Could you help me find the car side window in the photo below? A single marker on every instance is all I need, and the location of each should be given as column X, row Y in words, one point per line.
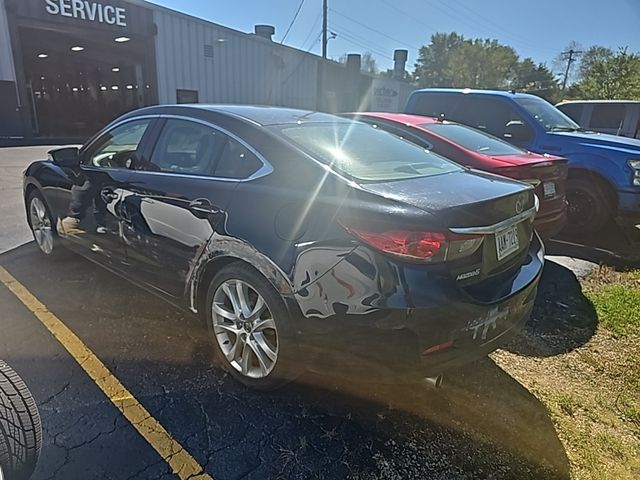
column 572, row 110
column 237, row 161
column 607, row 116
column 187, row 147
column 118, row 147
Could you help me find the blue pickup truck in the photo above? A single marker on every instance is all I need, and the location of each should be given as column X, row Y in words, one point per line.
column 604, row 170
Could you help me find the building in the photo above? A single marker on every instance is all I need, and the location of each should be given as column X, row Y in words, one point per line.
column 67, row 67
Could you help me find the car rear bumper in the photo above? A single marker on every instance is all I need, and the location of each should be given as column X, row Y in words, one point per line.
column 628, row 208
column 549, row 224
column 406, row 344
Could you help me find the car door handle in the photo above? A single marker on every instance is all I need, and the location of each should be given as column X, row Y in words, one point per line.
column 108, row 194
column 202, row 205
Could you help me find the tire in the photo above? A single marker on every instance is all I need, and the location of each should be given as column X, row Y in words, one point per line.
column 252, row 332
column 20, row 428
column 42, row 225
column 590, row 208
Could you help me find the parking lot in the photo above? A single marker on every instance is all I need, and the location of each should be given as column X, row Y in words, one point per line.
column 482, row 424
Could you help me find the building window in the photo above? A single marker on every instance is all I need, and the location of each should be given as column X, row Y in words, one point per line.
column 187, row 96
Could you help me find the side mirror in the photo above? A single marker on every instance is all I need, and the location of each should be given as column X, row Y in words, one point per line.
column 518, row 132
column 65, row 157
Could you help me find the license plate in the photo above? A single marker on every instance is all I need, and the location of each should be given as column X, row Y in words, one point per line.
column 507, row 242
column 549, row 189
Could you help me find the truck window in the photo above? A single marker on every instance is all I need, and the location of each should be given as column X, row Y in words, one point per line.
column 434, row 104
column 490, row 115
column 607, row 115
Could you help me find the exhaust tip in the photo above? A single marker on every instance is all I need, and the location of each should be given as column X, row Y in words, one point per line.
column 435, row 382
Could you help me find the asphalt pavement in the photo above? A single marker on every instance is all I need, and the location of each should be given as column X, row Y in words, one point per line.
column 481, row 424
column 13, row 161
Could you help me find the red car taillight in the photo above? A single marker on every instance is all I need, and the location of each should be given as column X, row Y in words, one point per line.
column 424, row 246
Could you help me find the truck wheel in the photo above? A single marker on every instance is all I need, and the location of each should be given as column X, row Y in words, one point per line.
column 20, row 428
column 590, row 208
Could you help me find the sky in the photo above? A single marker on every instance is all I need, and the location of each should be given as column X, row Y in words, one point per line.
column 539, row 29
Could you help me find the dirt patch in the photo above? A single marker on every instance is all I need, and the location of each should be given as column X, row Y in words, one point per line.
column 592, row 389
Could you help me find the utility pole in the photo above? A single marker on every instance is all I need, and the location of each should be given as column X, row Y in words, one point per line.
column 324, row 29
column 570, row 59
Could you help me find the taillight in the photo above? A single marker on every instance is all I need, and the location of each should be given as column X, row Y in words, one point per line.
column 519, row 173
column 423, row 246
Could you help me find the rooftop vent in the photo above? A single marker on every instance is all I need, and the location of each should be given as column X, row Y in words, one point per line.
column 264, row 31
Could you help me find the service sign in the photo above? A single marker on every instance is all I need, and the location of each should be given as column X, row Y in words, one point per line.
column 114, row 15
column 89, row 11
column 384, row 95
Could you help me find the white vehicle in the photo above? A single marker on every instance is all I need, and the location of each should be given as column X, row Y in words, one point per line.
column 616, row 117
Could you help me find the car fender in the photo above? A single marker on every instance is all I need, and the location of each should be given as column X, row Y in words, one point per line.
column 225, row 247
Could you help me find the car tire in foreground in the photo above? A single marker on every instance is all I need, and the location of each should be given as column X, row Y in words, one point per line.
column 251, row 327
column 20, row 428
column 589, row 206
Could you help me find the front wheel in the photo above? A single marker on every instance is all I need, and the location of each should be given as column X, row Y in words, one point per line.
column 42, row 224
column 590, row 209
column 251, row 327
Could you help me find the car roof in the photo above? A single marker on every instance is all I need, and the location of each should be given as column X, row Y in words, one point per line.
column 498, row 93
column 259, row 115
column 564, row 102
column 405, row 118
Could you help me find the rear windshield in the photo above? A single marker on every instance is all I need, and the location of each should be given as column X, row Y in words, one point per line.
column 366, row 153
column 472, row 139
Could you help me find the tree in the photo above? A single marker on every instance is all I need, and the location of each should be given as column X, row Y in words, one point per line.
column 433, row 60
column 615, row 77
column 593, row 54
column 450, row 60
column 538, row 79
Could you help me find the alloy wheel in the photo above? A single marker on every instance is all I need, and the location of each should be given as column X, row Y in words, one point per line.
column 245, row 329
column 41, row 225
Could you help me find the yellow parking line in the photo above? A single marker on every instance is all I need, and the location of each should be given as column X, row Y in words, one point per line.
column 180, row 461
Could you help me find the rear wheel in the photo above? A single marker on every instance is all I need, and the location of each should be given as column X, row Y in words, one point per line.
column 590, row 208
column 20, row 428
column 251, row 328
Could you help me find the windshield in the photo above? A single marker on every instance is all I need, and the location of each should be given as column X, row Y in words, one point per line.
column 366, row 153
column 547, row 115
column 472, row 139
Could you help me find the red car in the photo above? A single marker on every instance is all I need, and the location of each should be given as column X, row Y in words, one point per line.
column 473, row 148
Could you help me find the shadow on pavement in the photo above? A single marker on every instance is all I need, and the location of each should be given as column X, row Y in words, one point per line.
column 615, row 246
column 563, row 318
column 481, row 424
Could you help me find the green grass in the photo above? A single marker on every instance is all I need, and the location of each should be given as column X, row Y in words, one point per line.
column 618, row 308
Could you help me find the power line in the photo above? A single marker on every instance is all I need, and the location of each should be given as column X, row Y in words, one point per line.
column 359, row 43
column 408, row 15
column 342, row 29
column 477, row 19
column 311, row 30
column 374, row 30
column 293, row 20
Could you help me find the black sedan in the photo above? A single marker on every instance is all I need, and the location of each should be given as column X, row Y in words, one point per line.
column 303, row 239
